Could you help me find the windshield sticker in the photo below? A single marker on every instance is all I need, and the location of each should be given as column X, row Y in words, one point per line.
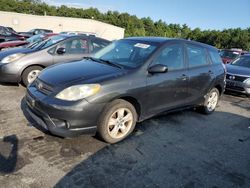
column 140, row 45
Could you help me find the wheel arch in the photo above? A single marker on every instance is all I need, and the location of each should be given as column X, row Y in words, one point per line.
column 220, row 89
column 39, row 65
column 134, row 102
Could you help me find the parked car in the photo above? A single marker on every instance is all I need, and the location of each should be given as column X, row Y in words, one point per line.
column 24, row 64
column 12, row 44
column 18, row 43
column 228, row 55
column 91, row 34
column 35, row 32
column 7, row 35
column 11, row 29
column 238, row 75
column 126, row 82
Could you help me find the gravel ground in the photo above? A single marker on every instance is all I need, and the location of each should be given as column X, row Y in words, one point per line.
column 184, row 149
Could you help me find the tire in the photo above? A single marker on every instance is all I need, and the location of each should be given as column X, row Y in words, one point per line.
column 211, row 101
column 117, row 121
column 26, row 76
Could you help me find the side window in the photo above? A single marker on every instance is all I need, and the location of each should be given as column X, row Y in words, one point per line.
column 171, row 56
column 75, row 46
column 215, row 57
column 197, row 56
column 97, row 45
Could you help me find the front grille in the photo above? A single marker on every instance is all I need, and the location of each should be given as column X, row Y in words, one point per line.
column 43, row 87
column 238, row 88
column 236, row 77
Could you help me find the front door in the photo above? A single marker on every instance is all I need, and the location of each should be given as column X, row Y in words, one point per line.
column 168, row 90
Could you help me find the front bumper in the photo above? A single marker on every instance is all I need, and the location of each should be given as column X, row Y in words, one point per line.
column 64, row 119
column 7, row 77
column 237, row 86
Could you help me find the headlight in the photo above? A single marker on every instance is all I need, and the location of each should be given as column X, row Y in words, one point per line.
column 78, row 92
column 12, row 58
column 247, row 82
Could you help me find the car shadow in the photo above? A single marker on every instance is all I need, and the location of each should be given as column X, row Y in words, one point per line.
column 9, row 84
column 8, row 154
column 181, row 149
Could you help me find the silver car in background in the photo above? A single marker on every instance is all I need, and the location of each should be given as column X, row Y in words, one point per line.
column 24, row 64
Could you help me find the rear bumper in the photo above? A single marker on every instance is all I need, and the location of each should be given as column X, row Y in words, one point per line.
column 64, row 120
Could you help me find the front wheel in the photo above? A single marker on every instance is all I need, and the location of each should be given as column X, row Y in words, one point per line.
column 211, row 101
column 117, row 121
column 30, row 74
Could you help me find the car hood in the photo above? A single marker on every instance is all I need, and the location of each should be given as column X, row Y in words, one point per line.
column 8, row 52
column 78, row 72
column 11, row 43
column 233, row 69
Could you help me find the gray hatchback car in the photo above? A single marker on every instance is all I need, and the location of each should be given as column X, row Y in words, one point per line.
column 24, row 64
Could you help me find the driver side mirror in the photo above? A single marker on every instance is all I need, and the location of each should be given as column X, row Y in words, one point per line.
column 61, row 51
column 158, row 68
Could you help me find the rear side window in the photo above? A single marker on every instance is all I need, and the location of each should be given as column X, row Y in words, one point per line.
column 197, row 56
column 216, row 59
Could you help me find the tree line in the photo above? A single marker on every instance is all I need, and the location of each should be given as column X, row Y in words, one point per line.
column 134, row 26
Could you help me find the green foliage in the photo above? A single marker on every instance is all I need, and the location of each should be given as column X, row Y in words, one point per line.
column 228, row 38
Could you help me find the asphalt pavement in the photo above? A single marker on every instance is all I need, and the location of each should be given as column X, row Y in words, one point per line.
column 181, row 149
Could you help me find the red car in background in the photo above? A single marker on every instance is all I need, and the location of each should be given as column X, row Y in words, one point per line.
column 18, row 43
column 8, row 34
column 228, row 55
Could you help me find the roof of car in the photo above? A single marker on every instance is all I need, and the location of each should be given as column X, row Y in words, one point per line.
column 82, row 36
column 161, row 40
column 150, row 39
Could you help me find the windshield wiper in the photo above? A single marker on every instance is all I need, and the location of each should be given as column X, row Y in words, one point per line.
column 104, row 61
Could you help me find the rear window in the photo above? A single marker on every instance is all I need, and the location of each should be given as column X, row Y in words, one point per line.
column 215, row 57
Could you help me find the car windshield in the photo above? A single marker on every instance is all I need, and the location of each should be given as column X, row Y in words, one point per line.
column 35, row 38
column 229, row 54
column 46, row 43
column 243, row 61
column 128, row 53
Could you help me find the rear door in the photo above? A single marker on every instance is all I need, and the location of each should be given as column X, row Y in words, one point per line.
column 200, row 72
column 168, row 90
column 75, row 49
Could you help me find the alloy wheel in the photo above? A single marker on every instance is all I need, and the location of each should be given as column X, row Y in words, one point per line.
column 120, row 123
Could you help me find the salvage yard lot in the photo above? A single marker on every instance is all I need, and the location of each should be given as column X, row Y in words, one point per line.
column 184, row 149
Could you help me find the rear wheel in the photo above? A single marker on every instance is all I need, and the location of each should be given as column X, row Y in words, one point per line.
column 117, row 121
column 30, row 74
column 211, row 101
